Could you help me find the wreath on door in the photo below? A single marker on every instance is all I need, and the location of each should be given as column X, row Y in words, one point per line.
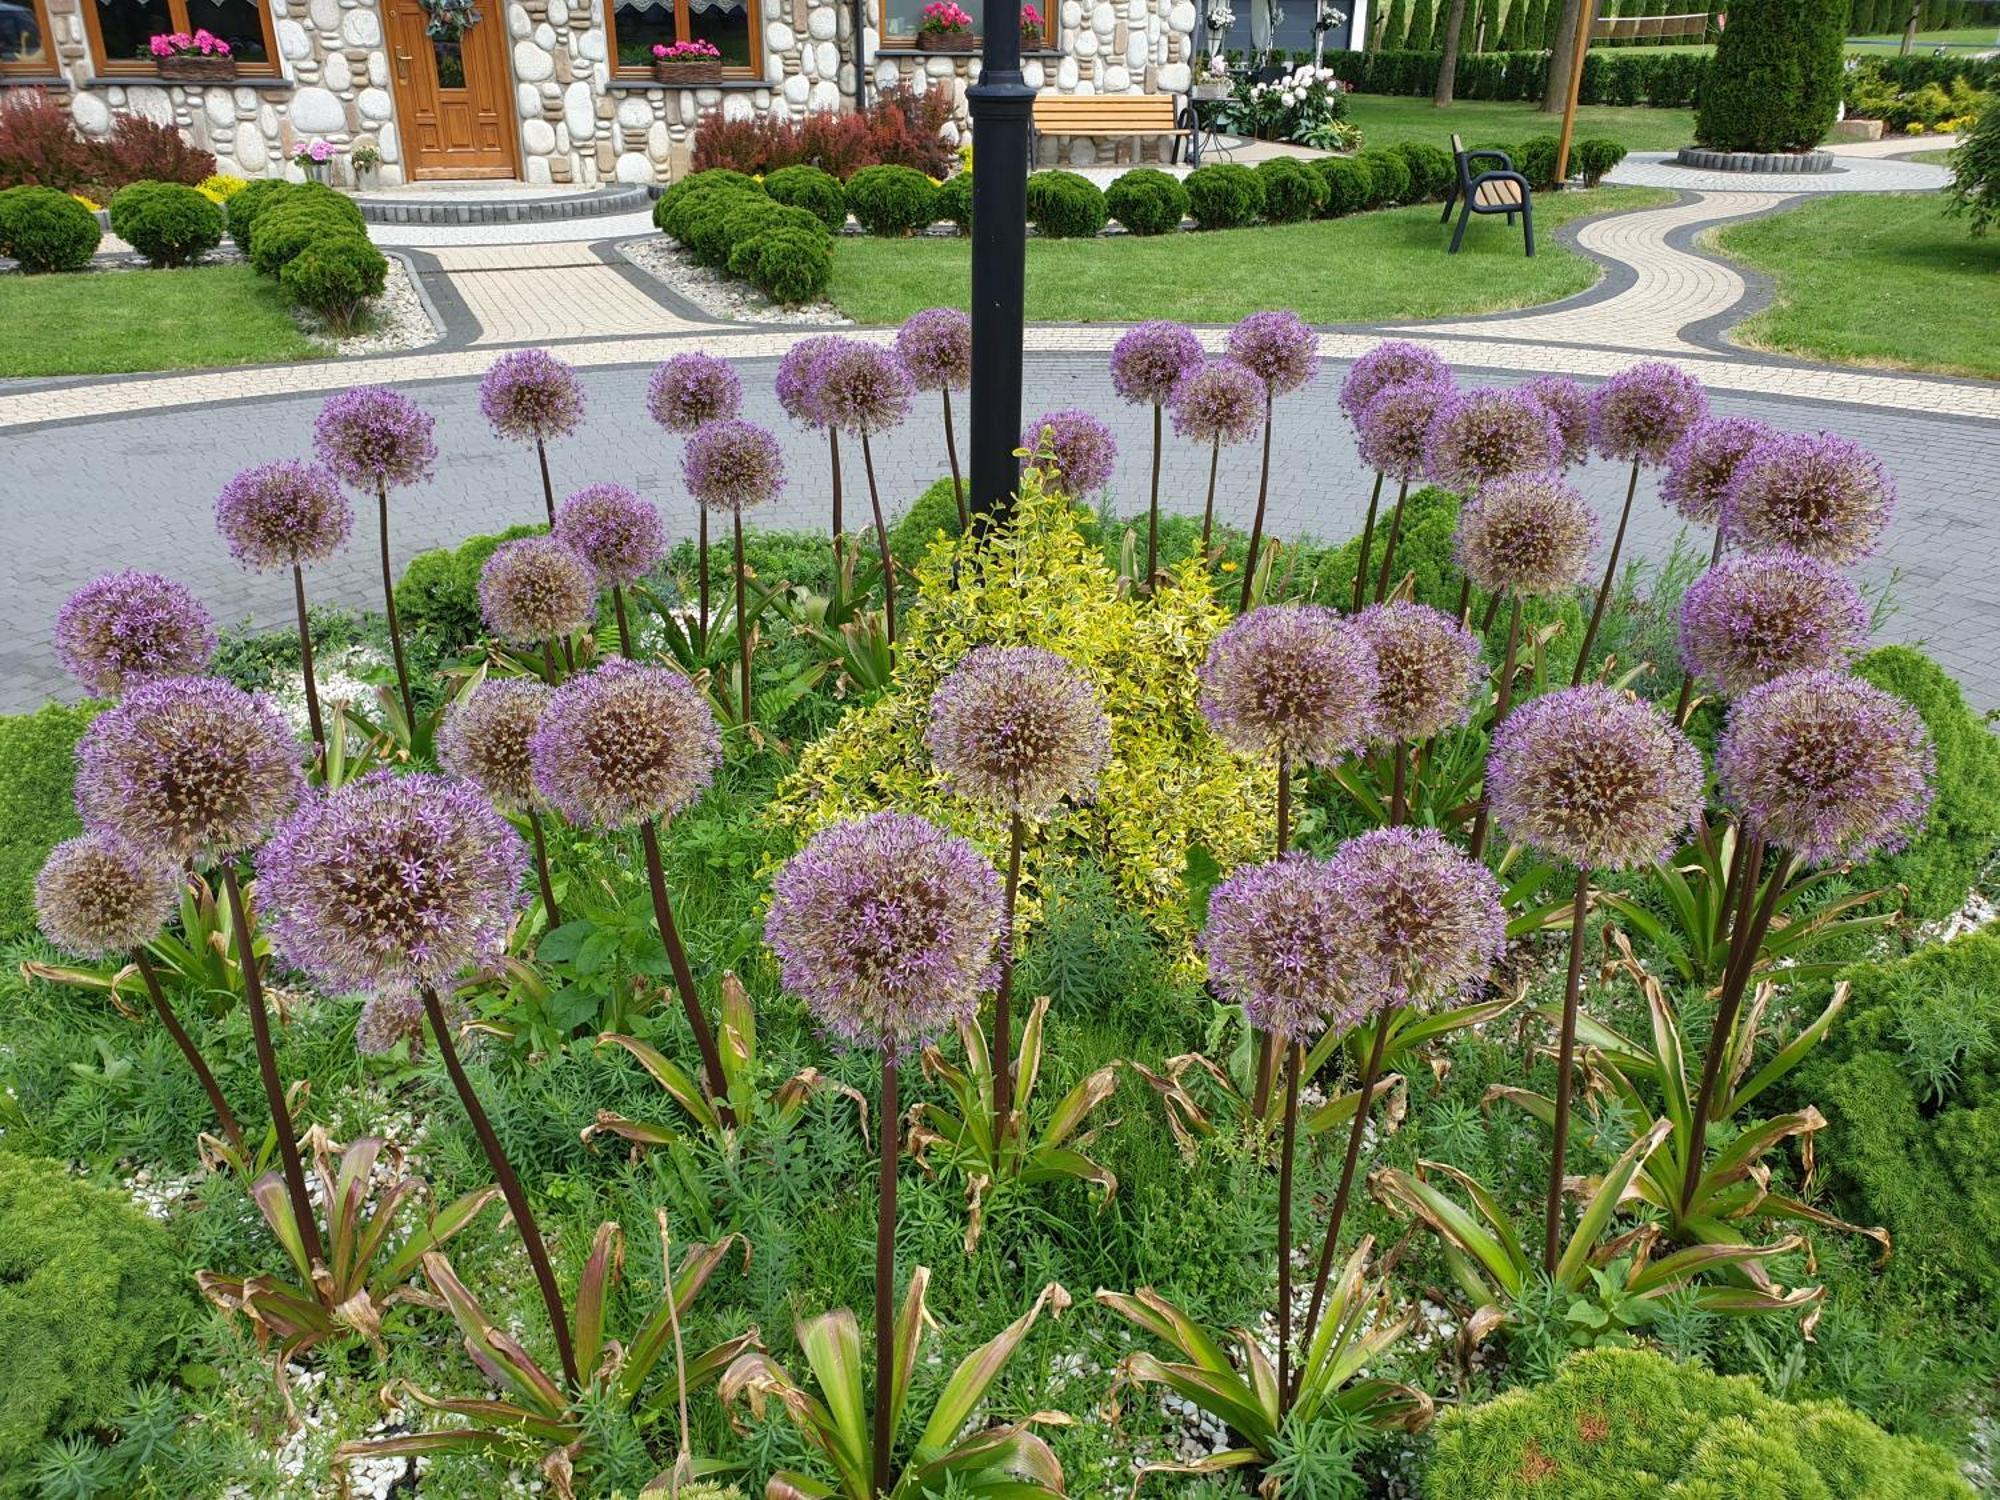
column 449, row 19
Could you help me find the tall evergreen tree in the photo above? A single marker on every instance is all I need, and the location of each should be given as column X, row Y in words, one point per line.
column 1775, row 81
column 1423, row 27
column 1395, row 23
column 1512, row 31
column 1478, row 33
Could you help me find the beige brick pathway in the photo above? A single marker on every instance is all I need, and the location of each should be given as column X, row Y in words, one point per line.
column 533, row 293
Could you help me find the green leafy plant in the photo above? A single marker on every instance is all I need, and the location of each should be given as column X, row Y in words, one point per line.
column 891, row 200
column 1065, row 205
column 1293, row 191
column 336, row 275
column 1224, row 196
column 1147, row 201
column 198, row 959
column 819, row 193
column 169, row 223
column 46, row 230
column 37, row 805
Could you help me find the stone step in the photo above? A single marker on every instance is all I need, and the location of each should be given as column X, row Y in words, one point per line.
column 500, row 203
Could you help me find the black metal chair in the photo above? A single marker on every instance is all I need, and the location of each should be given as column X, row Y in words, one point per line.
column 1501, row 190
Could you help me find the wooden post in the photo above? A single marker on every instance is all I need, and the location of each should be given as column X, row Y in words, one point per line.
column 1586, row 21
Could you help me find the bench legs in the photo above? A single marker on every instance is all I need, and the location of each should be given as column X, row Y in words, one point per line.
column 1528, row 226
column 1465, row 217
column 1458, row 234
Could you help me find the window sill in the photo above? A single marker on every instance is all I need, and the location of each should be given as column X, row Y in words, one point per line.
column 28, row 81
column 1037, row 54
column 267, row 82
column 642, row 83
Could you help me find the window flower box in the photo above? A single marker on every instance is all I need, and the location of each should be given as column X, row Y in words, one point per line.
column 687, row 63
column 945, row 27
column 191, row 57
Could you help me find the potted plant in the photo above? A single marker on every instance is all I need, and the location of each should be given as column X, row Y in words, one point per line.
column 1211, row 77
column 200, row 56
column 315, row 159
column 1033, row 29
column 366, row 161
column 945, row 27
column 688, row 62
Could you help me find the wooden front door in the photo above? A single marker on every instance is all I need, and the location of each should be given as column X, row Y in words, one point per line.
column 454, row 100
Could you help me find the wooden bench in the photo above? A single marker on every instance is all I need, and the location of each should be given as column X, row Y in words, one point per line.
column 1132, row 116
column 1499, row 190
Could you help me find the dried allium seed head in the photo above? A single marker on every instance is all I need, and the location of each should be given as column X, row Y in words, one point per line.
column 374, row 437
column 100, row 895
column 1827, row 766
column 798, row 383
column 625, row 743
column 531, row 396
column 486, row 735
column 1147, row 361
column 863, row 388
column 535, row 590
column 1594, row 778
column 283, row 514
column 1433, row 923
column 1396, row 362
column 615, row 530
column 935, row 346
column 1701, row 464
column 1080, row 448
column 1394, row 428
column 1220, row 401
column 1295, row 678
column 1641, row 412
column 1487, row 434
column 732, row 466
column 691, row 390
column 1278, row 348
column 1018, row 728
column 1750, row 619
column 1530, row 536
column 1426, row 667
column 1280, row 943
column 1820, row 495
column 132, row 627
column 390, row 1015
column 1569, row 403
column 188, row 767
column 886, row 927
column 396, row 880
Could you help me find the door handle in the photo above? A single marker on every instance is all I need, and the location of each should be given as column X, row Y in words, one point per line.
column 403, row 60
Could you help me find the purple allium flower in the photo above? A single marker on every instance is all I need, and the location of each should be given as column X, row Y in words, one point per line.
column 1827, row 766
column 1396, row 362
column 188, row 767
column 1530, row 535
column 394, row 880
column 1426, row 668
column 1432, row 921
column 100, row 894
column 531, row 396
column 1486, row 434
column 691, row 390
column 1018, row 728
column 886, row 927
column 935, row 346
column 1220, row 401
column 371, row 436
column 283, row 514
column 1820, row 495
column 1750, row 619
column 732, row 466
column 623, row 744
column 1278, row 348
column 486, row 735
column 1641, row 412
column 1280, row 942
column 1394, row 428
column 1291, row 677
column 536, row 589
column 862, row 388
column 392, row 1014
column 1701, row 464
column 131, row 627
column 797, row 382
column 1593, row 777
column 614, row 529
column 1080, row 452
column 1570, row 405
column 1149, row 360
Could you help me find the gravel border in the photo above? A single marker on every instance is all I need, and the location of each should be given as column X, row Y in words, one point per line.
column 719, row 295
column 398, row 321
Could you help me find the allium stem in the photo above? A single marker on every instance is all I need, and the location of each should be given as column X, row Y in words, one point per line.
column 742, row 622
column 885, row 1273
column 1153, row 507
column 1389, row 544
column 1003, row 994
column 548, row 489
column 510, row 1187
column 542, row 870
column 1463, row 613
column 951, row 452
column 701, row 571
column 1492, row 612
column 1398, row 810
column 1367, row 543
column 1565, row 1057
column 1503, row 702
column 389, row 609
column 306, row 660
column 188, row 1050
column 267, row 1068
column 1208, row 510
column 881, row 543
column 833, row 454
column 1293, row 1053
column 1263, row 491
column 1610, row 575
column 1284, row 801
column 677, row 959
column 1687, row 672
column 551, row 673
column 624, row 626
column 1724, row 916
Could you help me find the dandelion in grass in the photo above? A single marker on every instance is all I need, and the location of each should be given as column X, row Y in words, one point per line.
column 1820, row 495
column 485, row 739
column 1393, row 433
column 1569, row 403
column 536, row 591
column 1750, row 619
column 733, row 466
column 618, row 532
column 1146, row 364
column 530, row 396
column 1281, row 351
column 131, row 627
column 935, row 346
column 1486, row 434
column 1081, row 454
column 1219, row 402
column 1395, row 362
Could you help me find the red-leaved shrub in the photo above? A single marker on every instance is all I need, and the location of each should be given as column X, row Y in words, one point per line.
column 140, row 151
column 900, row 127
column 40, row 146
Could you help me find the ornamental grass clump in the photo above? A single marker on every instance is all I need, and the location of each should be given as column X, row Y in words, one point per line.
column 1280, row 350
column 1392, row 432
column 1217, row 402
column 531, row 396
column 1426, row 671
column 685, row 394
column 733, row 466
column 131, row 627
column 535, row 591
column 1817, row 494
column 864, row 390
column 485, row 740
column 1146, row 364
column 1753, row 618
column 935, row 346
column 618, row 532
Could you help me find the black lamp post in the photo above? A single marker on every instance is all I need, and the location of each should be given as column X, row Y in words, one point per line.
column 1002, row 105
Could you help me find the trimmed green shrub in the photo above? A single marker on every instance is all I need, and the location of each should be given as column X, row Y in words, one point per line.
column 439, row 591
column 1393, row 181
column 167, row 222
column 283, row 230
column 251, row 200
column 46, row 230
column 334, row 275
column 891, row 201
column 1594, row 157
column 1065, row 205
column 693, row 186
column 1225, row 195
column 1349, row 183
column 791, row 267
column 1535, row 159
column 37, row 775
column 934, row 511
column 818, row 193
column 1370, row 180
column 703, row 223
column 1147, row 201
column 1775, row 82
column 1293, row 191
column 1430, row 167
column 954, row 200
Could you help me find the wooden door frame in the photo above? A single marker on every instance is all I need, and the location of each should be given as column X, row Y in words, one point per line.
column 513, row 170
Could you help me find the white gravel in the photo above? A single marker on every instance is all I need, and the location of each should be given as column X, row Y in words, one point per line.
column 717, row 294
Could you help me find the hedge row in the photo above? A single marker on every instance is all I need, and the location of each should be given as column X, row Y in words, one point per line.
column 1663, row 79
column 780, row 241
column 314, row 242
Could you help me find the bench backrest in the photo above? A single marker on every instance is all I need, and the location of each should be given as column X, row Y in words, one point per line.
column 1086, row 114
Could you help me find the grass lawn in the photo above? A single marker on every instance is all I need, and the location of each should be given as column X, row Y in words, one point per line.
column 114, row 322
column 1875, row 279
column 1387, row 118
column 1958, row 38
column 1364, row 269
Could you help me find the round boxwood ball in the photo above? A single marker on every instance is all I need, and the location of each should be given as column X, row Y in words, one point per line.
column 791, row 266
column 1430, row 167
column 284, row 231
column 250, row 201
column 693, row 186
column 46, row 230
column 169, row 223
column 1594, row 157
column 1066, row 205
column 1293, row 191
column 1392, row 176
column 1535, row 159
column 1349, row 184
column 1225, row 195
column 1147, row 201
column 954, row 200
column 892, row 201
column 818, row 193
column 334, row 276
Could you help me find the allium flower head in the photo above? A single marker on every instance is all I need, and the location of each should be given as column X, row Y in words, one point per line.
column 1018, row 728
column 1482, row 435
column 1530, row 536
column 1426, row 667
column 390, row 1015
column 1394, row 362
column 1278, row 348
column 1569, row 403
column 935, row 346
column 283, row 514
column 798, row 383
column 1820, row 495
column 393, row 880
column 1432, row 920
column 1750, row 619
column 691, row 390
column 531, row 396
column 1593, row 777
column 536, row 589
column 732, row 466
column 1394, row 428
column 1701, row 464
column 188, row 767
column 371, row 436
column 100, row 894
column 1147, row 362
column 1291, row 677
column 1641, row 412
column 1080, row 447
column 486, row 735
column 1280, row 943
column 863, row 388
column 886, row 927
column 1827, row 766
column 1220, row 401
column 131, row 627
column 615, row 530
column 625, row 743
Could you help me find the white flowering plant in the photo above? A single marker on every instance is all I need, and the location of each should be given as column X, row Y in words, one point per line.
column 1304, row 105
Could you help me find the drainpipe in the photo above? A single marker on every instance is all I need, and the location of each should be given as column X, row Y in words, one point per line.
column 860, row 56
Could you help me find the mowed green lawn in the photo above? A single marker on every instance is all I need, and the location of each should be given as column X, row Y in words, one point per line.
column 115, row 322
column 1385, row 119
column 1364, row 269
column 1875, row 279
